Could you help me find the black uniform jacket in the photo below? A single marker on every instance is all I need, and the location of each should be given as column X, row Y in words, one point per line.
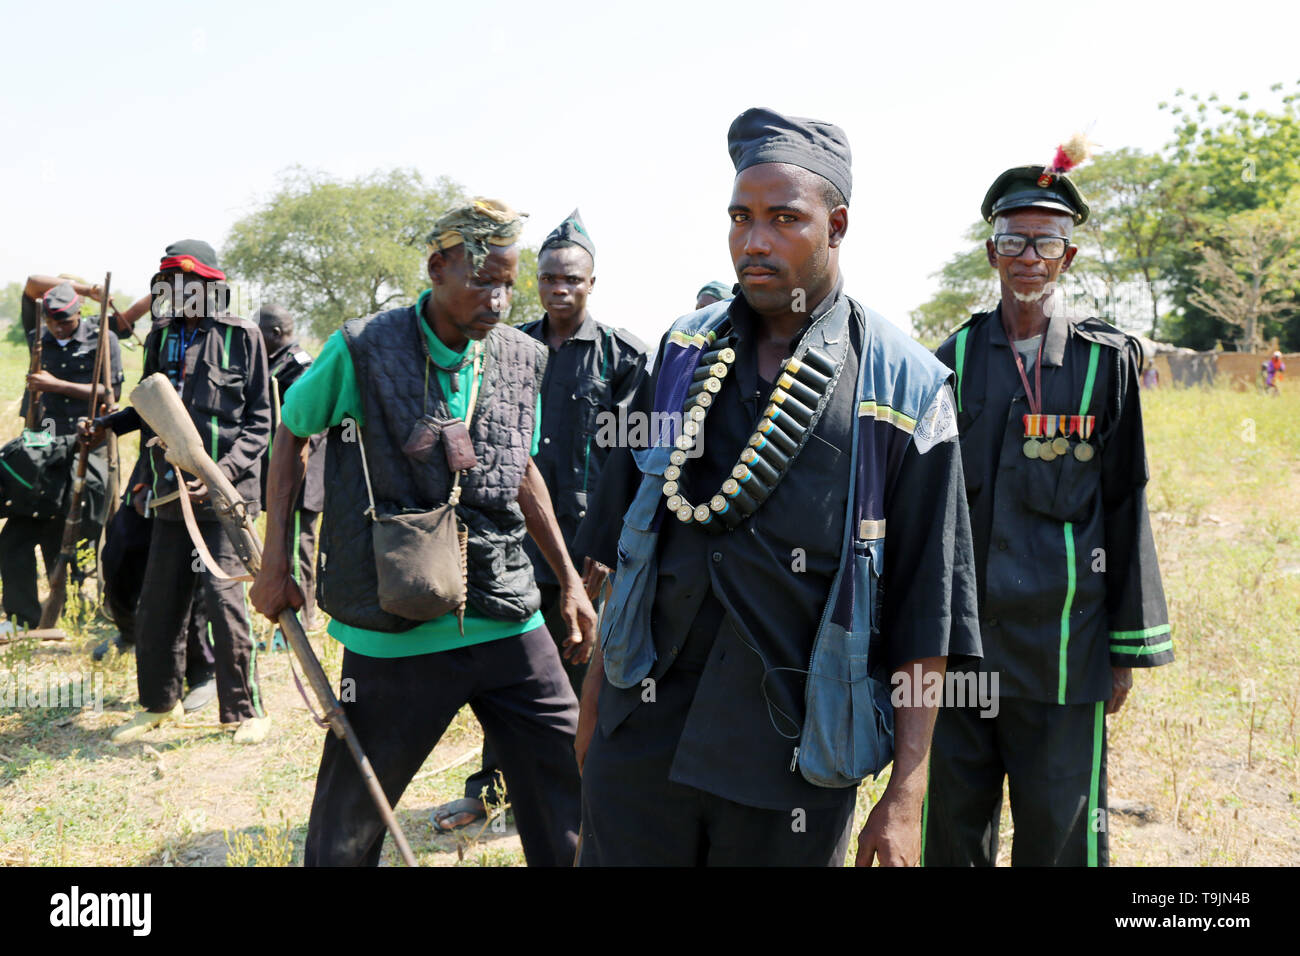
column 590, row 380
column 74, row 362
column 223, row 383
column 286, row 367
column 1066, row 563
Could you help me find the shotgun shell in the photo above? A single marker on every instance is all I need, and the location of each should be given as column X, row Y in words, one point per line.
column 717, row 370
column 799, row 390
column 792, row 407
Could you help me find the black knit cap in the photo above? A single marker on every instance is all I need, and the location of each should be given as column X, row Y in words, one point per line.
column 62, row 302
column 571, row 230
column 761, row 135
column 1026, row 187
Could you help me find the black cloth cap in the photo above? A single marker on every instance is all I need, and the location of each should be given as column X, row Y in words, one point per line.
column 765, row 136
column 571, row 230
column 62, row 301
column 1023, row 187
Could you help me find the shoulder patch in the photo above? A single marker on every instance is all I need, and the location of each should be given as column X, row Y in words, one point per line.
column 938, row 423
column 302, row 358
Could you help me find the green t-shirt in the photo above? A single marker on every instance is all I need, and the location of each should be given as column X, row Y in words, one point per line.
column 321, row 398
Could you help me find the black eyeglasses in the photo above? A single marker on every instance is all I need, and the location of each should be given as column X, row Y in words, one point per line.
column 1047, row 247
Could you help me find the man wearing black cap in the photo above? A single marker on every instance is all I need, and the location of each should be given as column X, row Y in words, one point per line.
column 69, row 351
column 592, row 372
column 217, row 362
column 758, row 617
column 1069, row 588
column 287, row 361
column 432, row 404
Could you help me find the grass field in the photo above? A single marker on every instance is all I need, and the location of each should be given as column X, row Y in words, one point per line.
column 1204, row 760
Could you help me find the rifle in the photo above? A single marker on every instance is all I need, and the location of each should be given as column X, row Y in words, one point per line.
column 53, row 606
column 35, row 399
column 159, row 405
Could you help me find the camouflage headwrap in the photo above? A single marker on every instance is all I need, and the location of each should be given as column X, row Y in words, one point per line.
column 478, row 224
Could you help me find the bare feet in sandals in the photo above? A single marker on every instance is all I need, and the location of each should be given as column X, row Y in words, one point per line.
column 457, row 814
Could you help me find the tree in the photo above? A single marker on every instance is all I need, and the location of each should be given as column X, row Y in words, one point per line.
column 1251, row 272
column 966, row 285
column 1130, row 230
column 1230, row 159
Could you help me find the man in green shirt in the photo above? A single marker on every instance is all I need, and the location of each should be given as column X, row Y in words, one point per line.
column 375, row 382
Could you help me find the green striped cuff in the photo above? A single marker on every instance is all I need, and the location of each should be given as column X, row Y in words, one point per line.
column 1142, row 649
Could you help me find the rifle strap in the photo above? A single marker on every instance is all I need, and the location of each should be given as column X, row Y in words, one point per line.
column 196, row 536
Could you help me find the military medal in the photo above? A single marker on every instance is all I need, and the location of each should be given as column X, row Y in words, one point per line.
column 1033, row 428
column 1047, row 450
column 1083, row 451
column 1061, row 444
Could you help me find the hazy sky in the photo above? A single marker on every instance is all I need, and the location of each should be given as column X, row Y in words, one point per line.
column 129, row 125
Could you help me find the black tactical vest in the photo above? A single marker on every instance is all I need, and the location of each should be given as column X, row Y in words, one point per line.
column 388, row 353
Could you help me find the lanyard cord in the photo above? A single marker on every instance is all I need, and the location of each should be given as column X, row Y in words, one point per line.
column 1034, row 396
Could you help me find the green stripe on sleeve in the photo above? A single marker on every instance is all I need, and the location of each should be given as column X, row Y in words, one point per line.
column 225, row 353
column 1065, row 611
column 214, row 438
column 1140, row 635
column 1142, row 649
column 1094, row 787
column 961, row 360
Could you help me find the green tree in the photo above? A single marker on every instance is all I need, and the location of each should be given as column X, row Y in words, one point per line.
column 1230, row 159
column 967, row 284
column 333, row 250
column 1128, row 238
column 1250, row 271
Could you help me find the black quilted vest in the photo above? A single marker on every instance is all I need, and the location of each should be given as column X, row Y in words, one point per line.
column 388, row 353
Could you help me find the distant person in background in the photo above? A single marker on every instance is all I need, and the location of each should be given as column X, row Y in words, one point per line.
column 287, row 361
column 1151, row 377
column 70, row 348
column 1274, row 369
column 711, row 293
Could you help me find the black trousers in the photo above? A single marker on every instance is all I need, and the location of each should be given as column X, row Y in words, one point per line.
column 400, row 708
column 173, row 580
column 633, row 815
column 123, row 562
column 1054, row 759
column 484, row 777
column 19, row 540
column 304, row 527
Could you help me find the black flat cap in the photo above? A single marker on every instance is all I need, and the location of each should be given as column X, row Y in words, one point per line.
column 62, row 301
column 1023, row 187
column 571, row 230
column 765, row 136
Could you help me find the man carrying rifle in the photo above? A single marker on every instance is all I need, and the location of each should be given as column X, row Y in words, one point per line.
column 217, row 363
column 412, row 396
column 69, row 348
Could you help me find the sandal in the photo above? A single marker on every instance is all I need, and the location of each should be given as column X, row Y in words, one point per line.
column 470, row 807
